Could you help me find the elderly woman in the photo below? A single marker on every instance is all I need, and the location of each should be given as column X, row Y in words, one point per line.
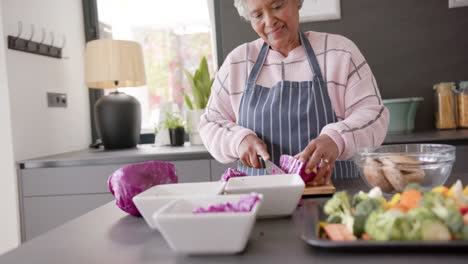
column 311, row 95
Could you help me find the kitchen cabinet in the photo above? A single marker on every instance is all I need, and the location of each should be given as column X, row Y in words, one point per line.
column 57, row 189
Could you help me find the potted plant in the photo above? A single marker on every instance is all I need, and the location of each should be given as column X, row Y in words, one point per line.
column 200, row 83
column 175, row 125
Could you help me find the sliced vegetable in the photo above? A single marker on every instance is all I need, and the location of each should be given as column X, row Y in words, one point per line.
column 456, row 192
column 338, row 232
column 440, row 189
column 387, row 225
column 245, row 204
column 394, row 201
column 230, row 172
column 464, row 210
column 289, row 164
column 359, row 197
column 435, row 230
column 363, row 210
column 445, row 209
column 413, row 186
column 411, row 198
column 339, row 208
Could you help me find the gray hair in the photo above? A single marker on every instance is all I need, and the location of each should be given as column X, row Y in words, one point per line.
column 241, row 6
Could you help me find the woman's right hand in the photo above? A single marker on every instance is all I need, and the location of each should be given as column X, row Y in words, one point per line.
column 250, row 147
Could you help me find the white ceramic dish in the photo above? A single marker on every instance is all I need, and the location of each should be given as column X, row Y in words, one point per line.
column 157, row 196
column 207, row 233
column 281, row 193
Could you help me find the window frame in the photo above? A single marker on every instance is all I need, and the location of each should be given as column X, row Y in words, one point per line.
column 91, row 28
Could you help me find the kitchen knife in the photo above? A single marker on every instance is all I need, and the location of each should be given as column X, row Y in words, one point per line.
column 270, row 167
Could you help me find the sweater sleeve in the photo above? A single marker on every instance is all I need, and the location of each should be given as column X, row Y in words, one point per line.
column 218, row 126
column 364, row 119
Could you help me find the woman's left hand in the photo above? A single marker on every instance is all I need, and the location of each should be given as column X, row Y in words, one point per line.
column 321, row 151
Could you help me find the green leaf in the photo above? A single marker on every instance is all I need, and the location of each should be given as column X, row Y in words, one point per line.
column 188, row 101
column 190, row 79
column 200, row 83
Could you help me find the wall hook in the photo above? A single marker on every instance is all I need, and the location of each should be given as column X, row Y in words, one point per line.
column 20, row 29
column 52, row 37
column 32, row 33
column 43, row 36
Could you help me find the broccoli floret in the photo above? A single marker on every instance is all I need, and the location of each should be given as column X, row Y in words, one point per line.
column 359, row 197
column 445, row 209
column 415, row 218
column 413, row 186
column 339, row 207
column 363, row 210
column 388, row 225
column 335, row 218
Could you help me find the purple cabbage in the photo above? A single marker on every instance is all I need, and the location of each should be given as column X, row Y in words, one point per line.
column 230, row 172
column 133, row 179
column 291, row 165
column 245, row 204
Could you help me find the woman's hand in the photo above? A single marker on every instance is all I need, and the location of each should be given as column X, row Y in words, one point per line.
column 249, row 148
column 321, row 151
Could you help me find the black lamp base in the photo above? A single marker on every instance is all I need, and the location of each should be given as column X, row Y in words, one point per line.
column 118, row 120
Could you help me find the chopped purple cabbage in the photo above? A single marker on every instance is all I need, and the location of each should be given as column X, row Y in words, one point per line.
column 230, row 173
column 291, row 165
column 245, row 204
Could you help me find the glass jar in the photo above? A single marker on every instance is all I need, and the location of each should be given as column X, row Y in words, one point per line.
column 462, row 102
column 446, row 108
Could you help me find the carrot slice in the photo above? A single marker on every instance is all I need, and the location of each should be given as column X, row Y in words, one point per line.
column 411, row 198
column 338, row 232
column 365, row 236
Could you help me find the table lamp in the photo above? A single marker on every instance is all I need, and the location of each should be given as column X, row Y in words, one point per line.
column 112, row 64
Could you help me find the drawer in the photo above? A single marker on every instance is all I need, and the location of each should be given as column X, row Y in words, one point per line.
column 93, row 179
column 42, row 214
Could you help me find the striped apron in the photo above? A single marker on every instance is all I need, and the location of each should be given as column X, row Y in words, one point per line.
column 290, row 114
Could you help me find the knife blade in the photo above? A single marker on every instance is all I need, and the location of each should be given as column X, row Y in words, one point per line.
column 271, row 168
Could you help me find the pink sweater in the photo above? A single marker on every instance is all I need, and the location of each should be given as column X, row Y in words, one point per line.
column 362, row 118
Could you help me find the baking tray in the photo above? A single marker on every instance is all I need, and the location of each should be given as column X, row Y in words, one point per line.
column 312, row 213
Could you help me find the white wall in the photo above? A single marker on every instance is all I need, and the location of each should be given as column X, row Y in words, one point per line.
column 9, row 228
column 37, row 130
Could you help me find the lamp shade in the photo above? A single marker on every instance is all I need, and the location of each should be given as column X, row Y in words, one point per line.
column 114, row 63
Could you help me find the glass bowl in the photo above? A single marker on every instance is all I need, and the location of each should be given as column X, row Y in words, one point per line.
column 393, row 167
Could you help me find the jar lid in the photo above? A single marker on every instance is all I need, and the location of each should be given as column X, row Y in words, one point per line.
column 444, row 85
column 463, row 85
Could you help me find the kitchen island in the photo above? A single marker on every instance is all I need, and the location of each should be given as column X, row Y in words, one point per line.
column 108, row 235
column 75, row 182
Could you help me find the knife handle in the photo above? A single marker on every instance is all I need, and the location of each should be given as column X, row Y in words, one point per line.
column 262, row 161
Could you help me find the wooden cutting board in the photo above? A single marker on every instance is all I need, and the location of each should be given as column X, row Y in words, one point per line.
column 319, row 190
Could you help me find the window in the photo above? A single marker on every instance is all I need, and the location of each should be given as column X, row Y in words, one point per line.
column 174, row 35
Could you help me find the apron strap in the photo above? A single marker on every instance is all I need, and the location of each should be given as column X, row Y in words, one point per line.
column 258, row 65
column 311, row 56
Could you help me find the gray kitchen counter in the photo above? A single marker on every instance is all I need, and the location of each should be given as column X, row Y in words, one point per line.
column 455, row 137
column 150, row 152
column 108, row 235
column 104, row 157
